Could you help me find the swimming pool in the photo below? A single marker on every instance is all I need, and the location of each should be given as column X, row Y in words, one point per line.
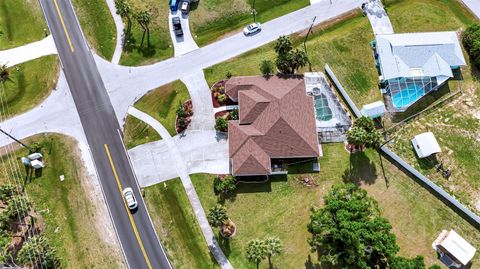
column 323, row 111
column 407, row 96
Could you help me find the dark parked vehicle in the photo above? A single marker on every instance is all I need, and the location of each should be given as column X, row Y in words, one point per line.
column 177, row 26
column 173, row 5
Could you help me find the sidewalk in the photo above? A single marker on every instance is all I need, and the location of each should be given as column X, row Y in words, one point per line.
column 120, row 28
column 28, row 52
column 378, row 17
column 182, row 171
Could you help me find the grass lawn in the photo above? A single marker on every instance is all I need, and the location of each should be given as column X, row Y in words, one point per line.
column 344, row 46
column 17, row 32
column 34, row 79
column 69, row 216
column 97, row 25
column 31, row 84
column 161, row 46
column 161, row 104
column 177, row 226
column 281, row 208
column 213, row 19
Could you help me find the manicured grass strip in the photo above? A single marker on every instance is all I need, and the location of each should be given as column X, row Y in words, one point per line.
column 207, row 31
column 98, row 26
column 69, row 215
column 137, row 132
column 21, row 22
column 177, row 227
column 31, row 83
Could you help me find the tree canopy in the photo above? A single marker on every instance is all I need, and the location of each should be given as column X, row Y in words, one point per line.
column 217, row 216
column 349, row 231
column 364, row 132
column 289, row 60
column 471, row 41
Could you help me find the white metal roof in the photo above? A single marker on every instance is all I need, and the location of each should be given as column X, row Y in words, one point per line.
column 405, row 55
column 458, row 247
column 425, row 144
column 373, row 110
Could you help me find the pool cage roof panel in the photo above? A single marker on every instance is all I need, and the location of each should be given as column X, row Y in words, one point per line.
column 403, row 92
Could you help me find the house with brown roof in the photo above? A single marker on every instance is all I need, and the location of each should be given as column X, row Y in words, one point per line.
column 276, row 121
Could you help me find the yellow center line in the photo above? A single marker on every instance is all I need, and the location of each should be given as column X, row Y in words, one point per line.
column 126, row 208
column 64, row 27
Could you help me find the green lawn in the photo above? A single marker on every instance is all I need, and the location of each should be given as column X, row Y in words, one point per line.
column 97, row 25
column 281, row 208
column 213, row 19
column 17, row 32
column 177, row 226
column 161, row 46
column 69, row 217
column 33, row 80
column 161, row 104
column 30, row 84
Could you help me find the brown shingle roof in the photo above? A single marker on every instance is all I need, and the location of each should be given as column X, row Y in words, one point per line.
column 276, row 121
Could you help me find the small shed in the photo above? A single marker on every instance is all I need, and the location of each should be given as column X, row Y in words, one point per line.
column 454, row 251
column 374, row 110
column 425, row 145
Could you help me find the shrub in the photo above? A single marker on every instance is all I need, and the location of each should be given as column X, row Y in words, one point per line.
column 229, row 74
column 217, row 216
column 224, row 185
column 221, row 124
column 266, row 67
column 471, row 41
column 233, row 114
column 37, row 247
column 222, row 99
column 181, row 113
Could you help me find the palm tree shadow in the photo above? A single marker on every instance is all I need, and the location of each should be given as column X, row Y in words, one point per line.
column 361, row 169
column 147, row 51
column 224, row 244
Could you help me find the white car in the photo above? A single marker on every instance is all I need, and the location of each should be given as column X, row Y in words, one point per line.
column 252, row 28
column 185, row 7
column 130, row 198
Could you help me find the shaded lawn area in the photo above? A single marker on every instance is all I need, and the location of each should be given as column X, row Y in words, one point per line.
column 98, row 25
column 177, row 227
column 161, row 46
column 282, row 208
column 161, row 104
column 30, row 85
column 21, row 22
column 69, row 215
column 213, row 19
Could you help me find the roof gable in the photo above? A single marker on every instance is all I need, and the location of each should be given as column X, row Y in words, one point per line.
column 252, row 105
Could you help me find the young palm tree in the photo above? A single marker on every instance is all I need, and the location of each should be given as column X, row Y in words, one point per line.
column 273, row 246
column 217, row 216
column 144, row 18
column 256, row 251
column 124, row 10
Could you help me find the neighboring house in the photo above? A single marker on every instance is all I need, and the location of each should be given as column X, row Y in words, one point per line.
column 276, row 121
column 413, row 64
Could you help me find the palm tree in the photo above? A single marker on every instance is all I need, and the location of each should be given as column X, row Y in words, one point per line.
column 298, row 59
column 256, row 251
column 144, row 18
column 273, row 246
column 4, row 74
column 217, row 216
column 124, row 10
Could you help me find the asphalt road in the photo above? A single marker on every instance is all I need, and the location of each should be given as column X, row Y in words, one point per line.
column 135, row 231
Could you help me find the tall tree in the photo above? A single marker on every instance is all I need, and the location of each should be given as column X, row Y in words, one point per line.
column 288, row 60
column 124, row 10
column 273, row 246
column 256, row 251
column 364, row 132
column 283, row 45
column 298, row 60
column 144, row 18
column 350, row 233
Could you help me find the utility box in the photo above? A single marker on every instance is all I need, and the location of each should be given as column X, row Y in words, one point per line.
column 35, row 156
column 36, row 164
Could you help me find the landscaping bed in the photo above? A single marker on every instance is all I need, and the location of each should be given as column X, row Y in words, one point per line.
column 184, row 116
column 219, row 98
